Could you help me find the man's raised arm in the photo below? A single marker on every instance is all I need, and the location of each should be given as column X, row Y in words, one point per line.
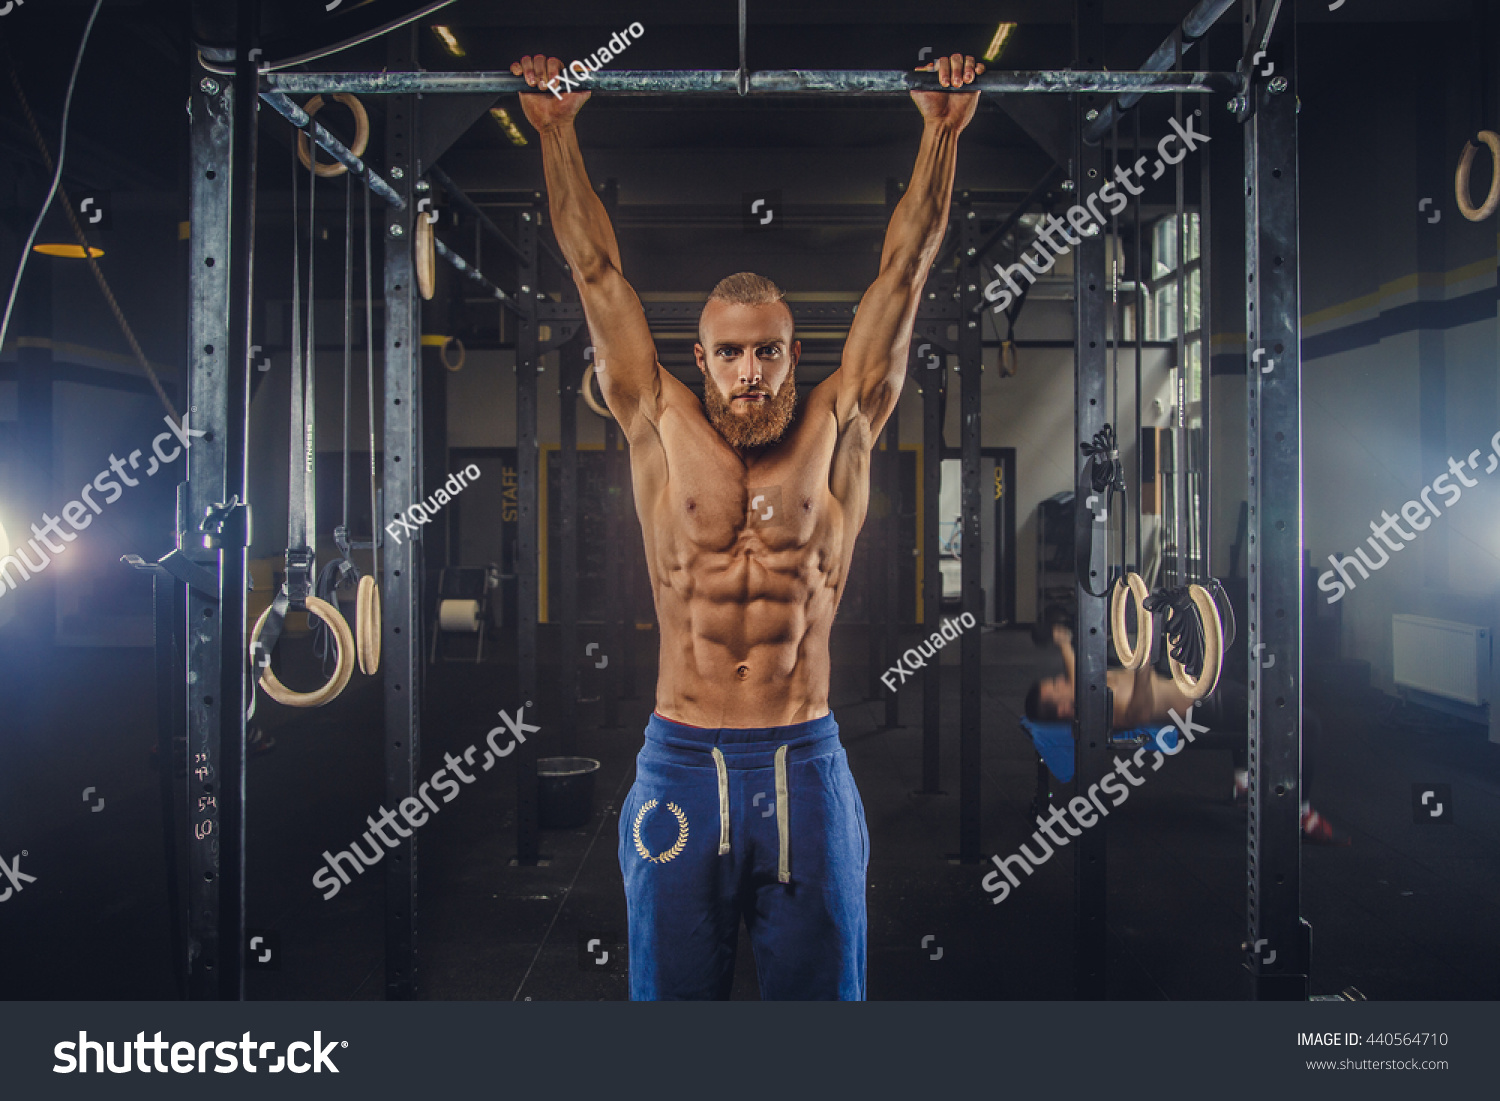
column 874, row 367
column 623, row 350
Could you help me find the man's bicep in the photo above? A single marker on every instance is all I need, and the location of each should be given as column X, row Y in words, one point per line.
column 624, row 353
column 873, row 369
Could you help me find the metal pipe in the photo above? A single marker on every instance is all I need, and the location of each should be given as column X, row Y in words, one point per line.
column 1194, row 26
column 823, row 82
column 302, row 121
column 467, row 205
column 474, row 275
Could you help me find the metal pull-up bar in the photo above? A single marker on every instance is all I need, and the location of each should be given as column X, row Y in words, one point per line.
column 727, row 82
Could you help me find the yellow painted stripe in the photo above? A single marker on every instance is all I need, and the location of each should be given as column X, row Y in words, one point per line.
column 184, row 230
column 432, row 340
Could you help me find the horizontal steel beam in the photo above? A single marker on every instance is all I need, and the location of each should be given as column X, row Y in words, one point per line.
column 466, row 204
column 473, row 274
column 335, row 148
column 303, row 121
column 725, row 82
column 1194, row 26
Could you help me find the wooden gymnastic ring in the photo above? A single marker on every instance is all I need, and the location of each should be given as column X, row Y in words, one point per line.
column 1129, row 587
column 426, row 257
column 1009, row 360
column 1213, row 649
column 361, row 135
column 443, row 354
column 344, row 640
column 588, row 397
column 1461, row 178
column 367, row 623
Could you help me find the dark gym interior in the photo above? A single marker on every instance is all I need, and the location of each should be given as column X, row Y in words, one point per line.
column 528, row 588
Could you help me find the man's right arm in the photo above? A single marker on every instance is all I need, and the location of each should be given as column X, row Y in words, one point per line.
column 624, row 353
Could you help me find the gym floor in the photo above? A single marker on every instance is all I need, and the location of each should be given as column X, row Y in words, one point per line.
column 1399, row 914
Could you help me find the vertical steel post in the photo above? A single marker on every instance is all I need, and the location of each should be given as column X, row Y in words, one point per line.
column 971, row 547
column 567, row 530
column 528, row 560
column 932, row 583
column 1205, row 451
column 890, row 626
column 401, row 626
column 1278, row 941
column 888, row 470
column 222, row 198
column 1091, row 700
column 617, row 519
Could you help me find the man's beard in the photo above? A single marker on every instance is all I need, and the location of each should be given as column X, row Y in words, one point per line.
column 760, row 423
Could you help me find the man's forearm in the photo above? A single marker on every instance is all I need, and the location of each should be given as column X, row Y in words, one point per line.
column 578, row 217
column 921, row 217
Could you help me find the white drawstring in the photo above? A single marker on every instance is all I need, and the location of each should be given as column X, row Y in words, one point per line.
column 783, row 833
column 783, row 813
column 723, row 801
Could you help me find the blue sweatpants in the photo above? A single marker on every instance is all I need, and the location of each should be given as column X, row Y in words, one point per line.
column 763, row 824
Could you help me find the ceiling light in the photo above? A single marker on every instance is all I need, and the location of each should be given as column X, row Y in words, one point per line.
column 502, row 116
column 71, row 252
column 446, row 37
column 997, row 44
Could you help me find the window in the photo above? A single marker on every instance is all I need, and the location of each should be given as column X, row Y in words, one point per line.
column 1161, row 315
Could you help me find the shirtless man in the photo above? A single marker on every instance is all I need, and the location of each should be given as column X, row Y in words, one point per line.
column 1145, row 698
column 743, row 804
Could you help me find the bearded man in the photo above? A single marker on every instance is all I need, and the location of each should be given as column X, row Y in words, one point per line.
column 743, row 805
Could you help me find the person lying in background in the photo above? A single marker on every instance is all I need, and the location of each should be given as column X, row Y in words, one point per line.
column 1145, row 698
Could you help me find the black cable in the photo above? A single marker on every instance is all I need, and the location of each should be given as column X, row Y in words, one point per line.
column 1184, row 630
column 1105, row 475
column 62, row 153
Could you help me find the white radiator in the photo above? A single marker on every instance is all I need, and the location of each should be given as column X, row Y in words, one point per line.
column 1448, row 659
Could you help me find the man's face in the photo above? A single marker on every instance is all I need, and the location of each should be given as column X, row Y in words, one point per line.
column 748, row 360
column 1056, row 691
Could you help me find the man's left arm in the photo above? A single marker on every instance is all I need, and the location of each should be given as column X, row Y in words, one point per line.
column 868, row 382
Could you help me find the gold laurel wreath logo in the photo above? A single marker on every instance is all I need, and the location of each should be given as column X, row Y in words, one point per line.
column 682, row 832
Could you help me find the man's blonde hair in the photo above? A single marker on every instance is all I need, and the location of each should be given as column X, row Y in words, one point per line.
column 743, row 288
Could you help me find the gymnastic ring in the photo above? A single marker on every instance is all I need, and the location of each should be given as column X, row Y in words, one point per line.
column 367, row 623
column 1129, row 587
column 344, row 641
column 1461, row 178
column 426, row 260
column 588, row 397
column 443, row 354
column 1213, row 649
column 1009, row 361
column 361, row 134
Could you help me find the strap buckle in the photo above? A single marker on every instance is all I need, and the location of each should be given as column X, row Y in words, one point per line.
column 300, row 564
column 226, row 524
